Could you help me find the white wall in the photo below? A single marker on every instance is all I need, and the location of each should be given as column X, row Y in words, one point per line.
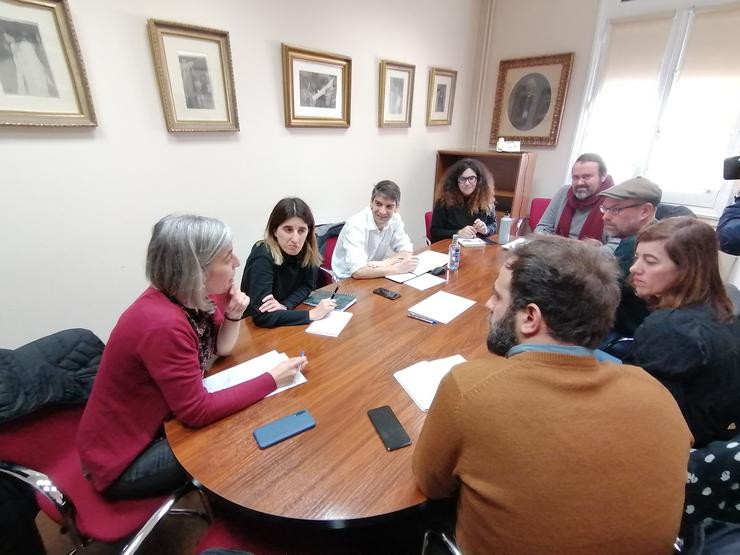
column 78, row 204
column 524, row 28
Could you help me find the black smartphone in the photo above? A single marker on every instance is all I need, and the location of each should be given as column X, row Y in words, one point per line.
column 389, row 428
column 387, row 293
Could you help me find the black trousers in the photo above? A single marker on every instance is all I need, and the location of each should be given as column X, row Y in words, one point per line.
column 18, row 510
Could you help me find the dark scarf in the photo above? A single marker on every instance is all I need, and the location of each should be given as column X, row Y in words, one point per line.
column 204, row 327
column 594, row 225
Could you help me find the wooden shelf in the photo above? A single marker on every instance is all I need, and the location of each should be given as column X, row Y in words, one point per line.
column 512, row 175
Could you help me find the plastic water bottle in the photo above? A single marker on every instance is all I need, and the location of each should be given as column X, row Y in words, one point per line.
column 454, row 262
column 504, row 230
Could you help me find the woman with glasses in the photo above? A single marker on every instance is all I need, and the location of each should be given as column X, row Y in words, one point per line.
column 691, row 341
column 464, row 202
column 282, row 269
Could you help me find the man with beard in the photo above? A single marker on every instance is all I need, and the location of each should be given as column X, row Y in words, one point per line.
column 548, row 450
column 627, row 209
column 574, row 210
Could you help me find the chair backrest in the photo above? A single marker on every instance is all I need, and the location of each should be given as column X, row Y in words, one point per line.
column 325, row 275
column 428, row 226
column 536, row 210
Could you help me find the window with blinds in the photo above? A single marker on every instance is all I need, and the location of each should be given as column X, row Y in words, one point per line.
column 665, row 102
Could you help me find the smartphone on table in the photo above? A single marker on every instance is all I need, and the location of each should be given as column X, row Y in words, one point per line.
column 389, row 428
column 283, row 428
column 387, row 293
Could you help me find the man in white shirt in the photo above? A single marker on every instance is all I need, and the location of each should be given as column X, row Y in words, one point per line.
column 373, row 243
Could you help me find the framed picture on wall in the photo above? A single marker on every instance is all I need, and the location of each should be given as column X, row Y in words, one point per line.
column 440, row 96
column 42, row 78
column 195, row 76
column 316, row 88
column 396, row 96
column 530, row 94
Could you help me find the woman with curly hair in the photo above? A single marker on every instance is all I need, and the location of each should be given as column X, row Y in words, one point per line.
column 464, row 202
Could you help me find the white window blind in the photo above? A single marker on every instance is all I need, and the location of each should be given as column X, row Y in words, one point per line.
column 666, row 102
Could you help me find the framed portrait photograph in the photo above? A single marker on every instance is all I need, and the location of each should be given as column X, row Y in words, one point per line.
column 42, row 79
column 396, row 96
column 530, row 95
column 195, row 76
column 441, row 96
column 316, row 88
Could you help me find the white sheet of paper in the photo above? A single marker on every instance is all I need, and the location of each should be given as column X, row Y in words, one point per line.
column 421, row 380
column 248, row 370
column 442, row 307
column 425, row 281
column 331, row 325
column 471, row 242
column 428, row 260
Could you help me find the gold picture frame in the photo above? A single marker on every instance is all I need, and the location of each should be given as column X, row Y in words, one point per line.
column 43, row 82
column 317, row 88
column 195, row 76
column 441, row 96
column 396, row 94
column 530, row 96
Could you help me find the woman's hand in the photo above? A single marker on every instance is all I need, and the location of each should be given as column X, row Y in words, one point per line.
column 480, row 227
column 467, row 231
column 270, row 304
column 238, row 303
column 324, row 307
column 284, row 373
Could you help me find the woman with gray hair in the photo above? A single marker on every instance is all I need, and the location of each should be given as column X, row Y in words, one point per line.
column 153, row 365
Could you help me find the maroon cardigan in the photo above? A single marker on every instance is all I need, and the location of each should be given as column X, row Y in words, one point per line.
column 149, row 372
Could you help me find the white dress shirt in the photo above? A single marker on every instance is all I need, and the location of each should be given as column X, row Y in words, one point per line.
column 361, row 242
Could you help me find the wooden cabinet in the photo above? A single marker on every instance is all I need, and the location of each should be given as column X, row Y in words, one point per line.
column 512, row 174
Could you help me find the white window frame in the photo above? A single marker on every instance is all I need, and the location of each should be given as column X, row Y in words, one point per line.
column 683, row 12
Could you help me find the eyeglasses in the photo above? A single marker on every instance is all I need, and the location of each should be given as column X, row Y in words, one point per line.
column 616, row 210
column 468, row 179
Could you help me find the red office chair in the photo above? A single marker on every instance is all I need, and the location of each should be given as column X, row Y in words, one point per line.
column 39, row 450
column 536, row 210
column 428, row 226
column 326, row 275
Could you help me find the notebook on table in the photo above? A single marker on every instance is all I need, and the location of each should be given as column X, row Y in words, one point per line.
column 344, row 300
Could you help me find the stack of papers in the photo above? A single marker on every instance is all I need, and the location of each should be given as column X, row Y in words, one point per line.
column 331, row 325
column 249, row 370
column 428, row 260
column 421, row 380
column 440, row 308
column 471, row 242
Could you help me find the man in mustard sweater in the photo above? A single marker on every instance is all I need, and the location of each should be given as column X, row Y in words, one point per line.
column 548, row 450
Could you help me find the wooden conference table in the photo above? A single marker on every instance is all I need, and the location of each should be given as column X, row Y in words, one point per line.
column 339, row 471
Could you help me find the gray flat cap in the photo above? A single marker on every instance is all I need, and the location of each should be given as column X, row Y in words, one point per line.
column 637, row 188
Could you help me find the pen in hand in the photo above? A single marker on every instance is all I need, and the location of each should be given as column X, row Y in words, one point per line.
column 335, row 292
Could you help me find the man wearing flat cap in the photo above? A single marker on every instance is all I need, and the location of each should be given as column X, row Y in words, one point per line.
column 627, row 209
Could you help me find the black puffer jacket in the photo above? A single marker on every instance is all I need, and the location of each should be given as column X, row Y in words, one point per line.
column 59, row 368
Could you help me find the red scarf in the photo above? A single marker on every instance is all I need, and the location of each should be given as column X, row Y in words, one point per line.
column 594, row 225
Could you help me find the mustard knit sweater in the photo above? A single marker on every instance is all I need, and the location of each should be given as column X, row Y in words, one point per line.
column 556, row 454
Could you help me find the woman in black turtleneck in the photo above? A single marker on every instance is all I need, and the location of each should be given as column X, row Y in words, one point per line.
column 281, row 270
